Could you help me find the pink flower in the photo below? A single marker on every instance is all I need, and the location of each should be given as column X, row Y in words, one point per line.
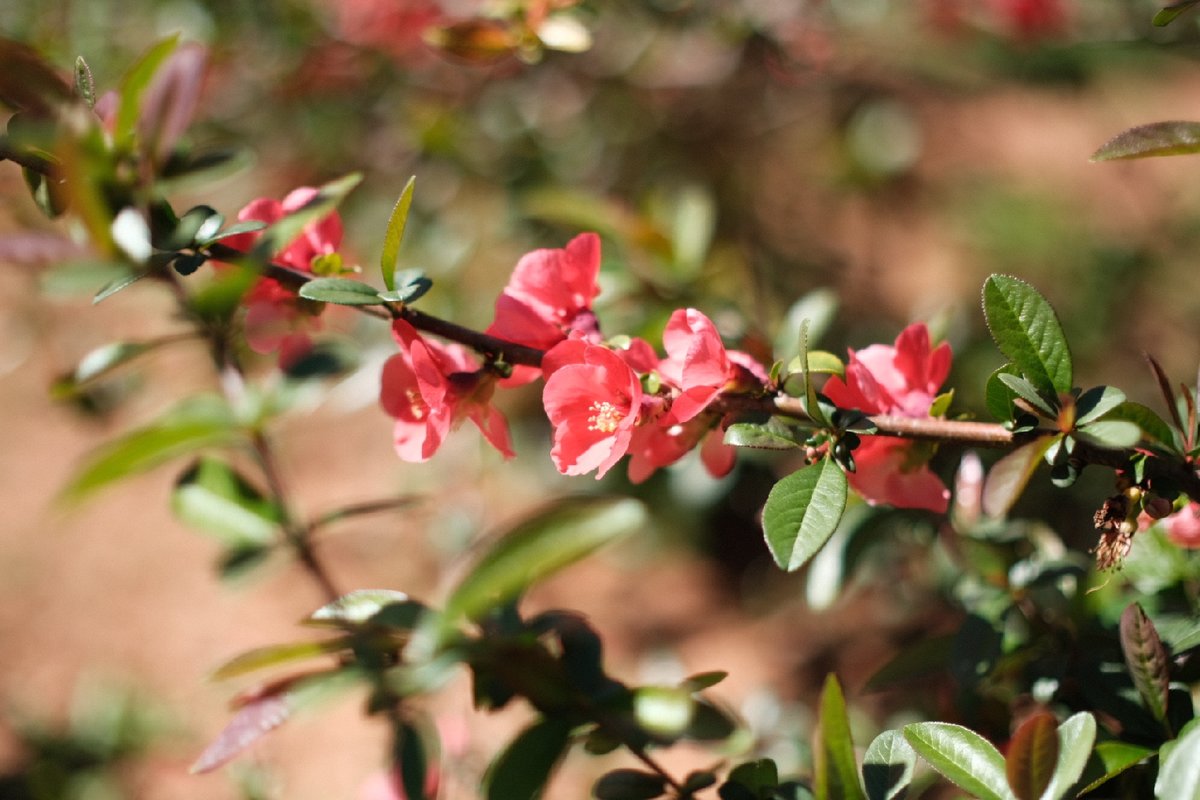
column 1033, row 19
column 900, row 380
column 1182, row 527
column 549, row 296
column 655, row 446
column 698, row 365
column 593, row 399
column 275, row 317
column 429, row 388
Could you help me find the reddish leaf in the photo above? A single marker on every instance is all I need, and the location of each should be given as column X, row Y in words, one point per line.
column 253, row 721
column 1146, row 659
column 1008, row 476
column 1032, row 756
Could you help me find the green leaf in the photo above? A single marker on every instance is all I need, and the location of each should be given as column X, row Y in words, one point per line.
column 1029, row 393
column 413, row 761
column 703, row 680
column 664, row 710
column 1146, row 659
column 134, row 85
column 817, row 309
column 1075, row 739
column 521, row 771
column 1096, row 402
column 1179, row 775
column 758, row 777
column 1110, row 434
column 1032, row 756
column 117, row 284
column 962, row 756
column 355, row 607
column 1171, row 138
column 771, row 435
column 395, row 235
column 277, row 654
column 888, row 766
column 835, row 772
column 245, row 226
column 1027, row 331
column 1180, row 632
column 1008, row 477
column 106, row 358
column 340, row 291
column 1151, row 425
column 802, row 511
column 997, row 397
column 85, row 84
column 629, row 784
column 541, row 545
column 185, row 430
column 1110, row 759
column 917, row 661
column 213, row 497
column 284, row 231
column 1168, row 13
column 411, row 285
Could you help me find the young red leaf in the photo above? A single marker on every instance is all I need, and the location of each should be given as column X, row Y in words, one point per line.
column 1032, row 756
column 1146, row 659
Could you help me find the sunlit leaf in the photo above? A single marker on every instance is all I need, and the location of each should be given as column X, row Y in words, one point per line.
column 521, row 771
column 1146, row 659
column 703, row 680
column 133, row 87
column 1110, row 759
column 535, row 548
column 356, row 607
column 835, row 772
column 212, row 496
column 1027, row 331
column 278, row 654
column 664, row 710
column 340, row 291
column 1168, row 13
column 1111, row 434
column 1151, row 425
column 395, row 235
column 1179, row 775
column 1096, row 402
column 191, row 427
column 411, row 285
column 1032, row 756
column 962, row 756
column 802, row 511
column 771, row 435
column 1172, row 138
column 888, row 766
column 1075, row 739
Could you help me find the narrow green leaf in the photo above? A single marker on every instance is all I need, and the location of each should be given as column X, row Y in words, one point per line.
column 1032, row 756
column 1029, row 393
column 1008, row 477
column 412, row 760
column 521, row 771
column 535, row 548
column 962, row 756
column 280, row 234
column 1168, row 14
column 1110, row 759
column 245, row 226
column 835, row 772
column 1172, row 138
column 213, row 497
column 768, row 436
column 703, row 680
column 275, row 655
column 134, row 84
column 340, row 291
column 1075, row 739
column 1110, row 434
column 629, row 784
column 117, row 284
column 1027, row 331
column 1179, row 775
column 888, row 766
column 1096, row 402
column 395, row 235
column 108, row 357
column 183, row 431
column 85, row 84
column 1146, row 659
column 802, row 511
column 997, row 397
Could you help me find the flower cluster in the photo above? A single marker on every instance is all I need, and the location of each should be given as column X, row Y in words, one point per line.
column 276, row 319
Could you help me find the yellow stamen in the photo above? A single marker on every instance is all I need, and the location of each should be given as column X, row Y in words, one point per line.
column 606, row 419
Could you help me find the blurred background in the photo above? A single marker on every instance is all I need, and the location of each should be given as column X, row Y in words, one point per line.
column 871, row 160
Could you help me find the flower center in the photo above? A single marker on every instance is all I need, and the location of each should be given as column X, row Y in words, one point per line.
column 606, row 417
column 416, row 404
